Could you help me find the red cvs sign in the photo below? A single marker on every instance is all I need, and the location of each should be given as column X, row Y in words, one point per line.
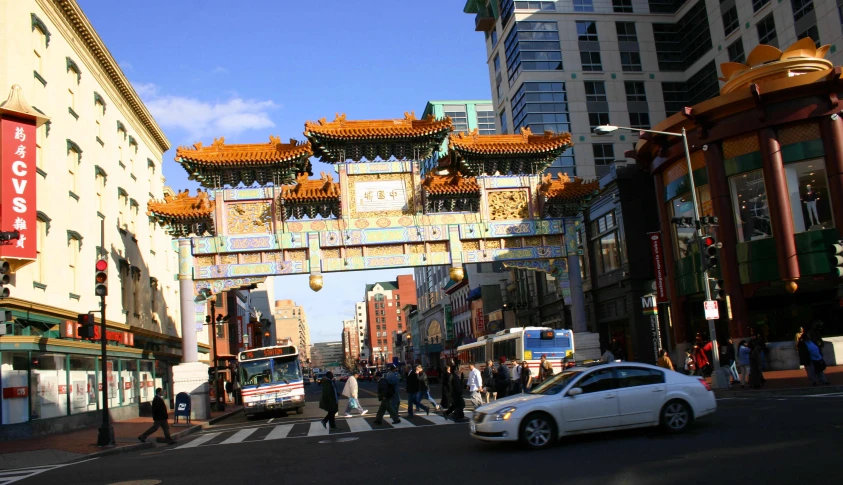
column 17, row 188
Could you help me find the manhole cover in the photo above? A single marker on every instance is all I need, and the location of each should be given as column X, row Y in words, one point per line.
column 137, row 482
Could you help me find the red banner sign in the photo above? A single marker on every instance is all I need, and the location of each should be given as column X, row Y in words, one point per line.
column 481, row 321
column 658, row 266
column 13, row 392
column 70, row 329
column 17, row 188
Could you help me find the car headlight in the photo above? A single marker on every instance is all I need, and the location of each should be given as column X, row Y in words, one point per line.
column 503, row 414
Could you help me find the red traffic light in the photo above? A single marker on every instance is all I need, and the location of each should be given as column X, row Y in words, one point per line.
column 102, row 265
column 707, row 241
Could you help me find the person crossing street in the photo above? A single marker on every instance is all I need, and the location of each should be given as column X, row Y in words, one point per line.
column 475, row 386
column 385, row 394
column 159, row 418
column 423, row 389
column 351, row 392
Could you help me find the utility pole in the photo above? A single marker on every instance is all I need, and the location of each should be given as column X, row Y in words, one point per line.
column 106, row 432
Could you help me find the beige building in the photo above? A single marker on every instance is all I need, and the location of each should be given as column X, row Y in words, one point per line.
column 362, row 329
column 291, row 325
column 98, row 158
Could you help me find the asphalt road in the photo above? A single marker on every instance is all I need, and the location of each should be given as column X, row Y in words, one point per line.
column 771, row 441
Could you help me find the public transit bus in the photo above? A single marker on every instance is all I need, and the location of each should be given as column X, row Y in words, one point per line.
column 271, row 379
column 522, row 343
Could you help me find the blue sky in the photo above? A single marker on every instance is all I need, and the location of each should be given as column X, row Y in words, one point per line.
column 249, row 69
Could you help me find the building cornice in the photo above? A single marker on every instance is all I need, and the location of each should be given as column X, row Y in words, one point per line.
column 72, row 14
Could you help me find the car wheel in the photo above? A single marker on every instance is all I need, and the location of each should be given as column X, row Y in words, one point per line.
column 299, row 410
column 676, row 416
column 537, row 431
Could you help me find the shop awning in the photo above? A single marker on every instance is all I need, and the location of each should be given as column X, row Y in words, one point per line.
column 473, row 294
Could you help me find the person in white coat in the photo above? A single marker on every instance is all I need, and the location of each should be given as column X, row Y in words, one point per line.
column 350, row 391
column 475, row 386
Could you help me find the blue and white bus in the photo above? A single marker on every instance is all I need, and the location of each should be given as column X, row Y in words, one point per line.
column 271, row 379
column 520, row 344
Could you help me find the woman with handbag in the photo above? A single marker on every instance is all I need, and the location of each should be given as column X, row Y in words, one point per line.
column 350, row 391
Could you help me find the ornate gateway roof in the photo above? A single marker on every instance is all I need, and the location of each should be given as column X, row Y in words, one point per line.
column 450, row 193
column 184, row 215
column 311, row 197
column 519, row 153
column 343, row 139
column 219, row 164
column 565, row 196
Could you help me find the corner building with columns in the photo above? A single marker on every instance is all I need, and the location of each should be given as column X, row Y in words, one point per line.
column 767, row 156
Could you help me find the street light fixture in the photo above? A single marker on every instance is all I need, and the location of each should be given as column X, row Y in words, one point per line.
column 608, row 129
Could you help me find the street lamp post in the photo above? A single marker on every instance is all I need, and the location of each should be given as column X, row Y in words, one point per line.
column 607, row 129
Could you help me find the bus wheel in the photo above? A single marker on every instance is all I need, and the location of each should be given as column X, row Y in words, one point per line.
column 299, row 410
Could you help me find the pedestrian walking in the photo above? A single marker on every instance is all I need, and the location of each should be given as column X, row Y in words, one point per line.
column 817, row 362
column 424, row 390
column 329, row 402
column 664, row 360
column 515, row 385
column 457, row 402
column 805, row 356
column 689, row 363
column 229, row 389
column 756, row 363
column 502, row 379
column 607, row 356
column 545, row 369
column 412, row 387
column 475, row 385
column 385, row 393
column 350, row 390
column 490, row 392
column 393, row 377
column 727, row 361
column 159, row 418
column 526, row 377
column 743, row 362
column 446, row 388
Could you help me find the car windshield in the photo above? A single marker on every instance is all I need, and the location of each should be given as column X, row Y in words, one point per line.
column 286, row 369
column 255, row 372
column 557, row 383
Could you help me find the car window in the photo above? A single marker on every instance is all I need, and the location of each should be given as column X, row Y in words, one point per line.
column 599, row 380
column 637, row 376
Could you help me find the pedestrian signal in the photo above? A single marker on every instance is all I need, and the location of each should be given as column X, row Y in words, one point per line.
column 86, row 325
column 837, row 258
column 708, row 252
column 4, row 279
column 718, row 289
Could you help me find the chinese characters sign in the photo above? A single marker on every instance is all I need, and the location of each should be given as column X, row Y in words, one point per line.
column 380, row 195
column 17, row 188
column 658, row 268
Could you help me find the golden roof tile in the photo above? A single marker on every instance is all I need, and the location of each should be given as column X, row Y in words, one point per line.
column 407, row 127
column 566, row 188
column 767, row 63
column 521, row 143
column 220, row 154
column 182, row 206
column 450, row 184
column 306, row 190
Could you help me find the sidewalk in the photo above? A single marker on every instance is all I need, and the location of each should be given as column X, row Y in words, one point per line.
column 81, row 444
column 788, row 382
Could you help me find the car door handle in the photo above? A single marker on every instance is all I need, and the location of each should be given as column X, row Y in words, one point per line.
column 609, row 397
column 658, row 390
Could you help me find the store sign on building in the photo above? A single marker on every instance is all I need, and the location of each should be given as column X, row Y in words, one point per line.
column 17, row 188
column 70, row 329
column 381, row 195
column 481, row 322
column 658, row 266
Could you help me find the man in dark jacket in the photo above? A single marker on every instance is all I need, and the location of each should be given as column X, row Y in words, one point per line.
column 159, row 418
column 412, row 389
column 457, row 402
column 329, row 402
column 422, row 389
column 502, row 379
column 385, row 392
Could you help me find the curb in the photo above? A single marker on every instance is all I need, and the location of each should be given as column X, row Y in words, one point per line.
column 199, row 427
column 760, row 393
column 114, row 451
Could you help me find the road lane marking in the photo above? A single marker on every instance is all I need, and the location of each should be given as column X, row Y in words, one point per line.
column 270, row 421
column 316, row 429
column 404, row 423
column 436, row 419
column 199, row 441
column 280, row 432
column 358, row 424
column 239, row 436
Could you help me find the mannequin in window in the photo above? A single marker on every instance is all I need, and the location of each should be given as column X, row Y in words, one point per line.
column 811, row 197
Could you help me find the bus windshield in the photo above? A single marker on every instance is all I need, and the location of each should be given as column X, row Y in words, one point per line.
column 556, row 384
column 286, row 369
column 255, row 372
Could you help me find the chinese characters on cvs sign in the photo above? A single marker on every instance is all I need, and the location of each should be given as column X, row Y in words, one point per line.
column 17, row 187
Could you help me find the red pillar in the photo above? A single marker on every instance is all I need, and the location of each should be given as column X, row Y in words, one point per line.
column 831, row 131
column 718, row 187
column 778, row 203
column 677, row 314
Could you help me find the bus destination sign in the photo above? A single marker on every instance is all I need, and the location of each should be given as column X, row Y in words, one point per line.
column 267, row 352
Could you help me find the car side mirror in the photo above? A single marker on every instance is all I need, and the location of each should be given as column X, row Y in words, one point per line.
column 575, row 392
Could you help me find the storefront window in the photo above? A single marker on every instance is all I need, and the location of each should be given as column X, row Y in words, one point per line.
column 809, row 199
column 607, row 253
column 112, row 375
column 146, row 381
column 683, row 237
column 83, row 384
column 14, row 376
column 129, row 381
column 49, row 386
column 749, row 200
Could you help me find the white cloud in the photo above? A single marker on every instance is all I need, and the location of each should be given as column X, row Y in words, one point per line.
column 201, row 120
column 126, row 66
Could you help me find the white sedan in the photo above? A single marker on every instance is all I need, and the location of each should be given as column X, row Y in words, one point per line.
column 602, row 397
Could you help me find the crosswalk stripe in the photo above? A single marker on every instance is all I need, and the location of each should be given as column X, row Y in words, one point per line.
column 436, row 419
column 316, row 429
column 405, row 423
column 239, row 436
column 279, row 432
column 358, row 424
column 199, row 441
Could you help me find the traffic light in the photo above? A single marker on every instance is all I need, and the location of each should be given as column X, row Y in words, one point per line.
column 708, row 220
column 837, row 258
column 4, row 279
column 86, row 325
column 718, row 289
column 683, row 221
column 708, row 252
column 101, row 277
